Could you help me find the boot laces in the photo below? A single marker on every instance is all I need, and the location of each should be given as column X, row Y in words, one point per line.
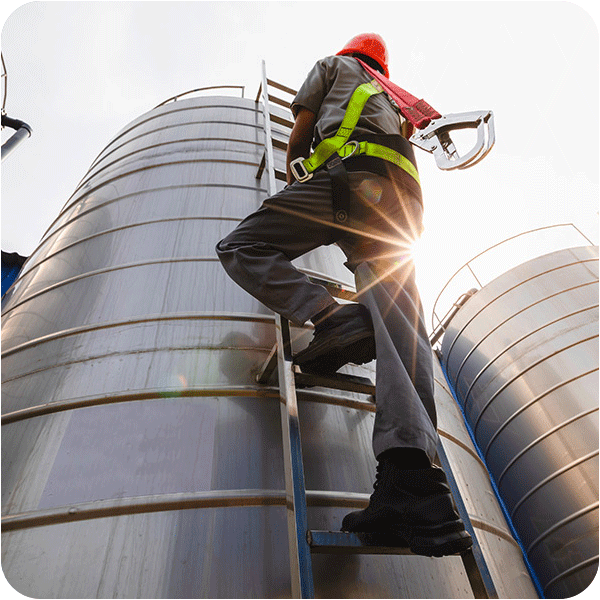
column 378, row 476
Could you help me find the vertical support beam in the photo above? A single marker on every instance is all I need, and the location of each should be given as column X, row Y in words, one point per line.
column 477, row 570
column 268, row 137
column 300, row 553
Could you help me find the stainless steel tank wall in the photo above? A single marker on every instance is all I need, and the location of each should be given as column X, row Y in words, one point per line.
column 522, row 356
column 140, row 456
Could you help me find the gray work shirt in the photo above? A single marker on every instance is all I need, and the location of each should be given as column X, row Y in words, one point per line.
column 327, row 91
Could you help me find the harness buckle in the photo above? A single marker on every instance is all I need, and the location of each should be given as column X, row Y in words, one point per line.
column 435, row 138
column 299, row 171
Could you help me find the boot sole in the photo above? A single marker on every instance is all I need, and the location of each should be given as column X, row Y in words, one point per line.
column 434, row 547
column 443, row 540
column 437, row 547
column 327, row 358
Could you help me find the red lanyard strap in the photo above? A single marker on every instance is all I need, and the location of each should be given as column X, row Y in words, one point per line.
column 435, row 137
column 417, row 112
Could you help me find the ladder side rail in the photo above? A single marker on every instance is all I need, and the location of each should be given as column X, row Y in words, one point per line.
column 474, row 562
column 300, row 552
column 297, row 519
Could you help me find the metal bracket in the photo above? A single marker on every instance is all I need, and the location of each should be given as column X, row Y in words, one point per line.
column 435, row 138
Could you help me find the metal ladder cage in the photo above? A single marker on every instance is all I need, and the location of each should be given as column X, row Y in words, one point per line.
column 302, row 540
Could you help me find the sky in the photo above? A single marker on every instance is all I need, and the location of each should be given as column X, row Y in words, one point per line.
column 78, row 72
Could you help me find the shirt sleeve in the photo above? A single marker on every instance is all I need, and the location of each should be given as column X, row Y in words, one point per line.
column 313, row 90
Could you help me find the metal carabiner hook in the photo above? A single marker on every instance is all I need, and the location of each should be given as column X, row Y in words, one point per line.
column 435, row 138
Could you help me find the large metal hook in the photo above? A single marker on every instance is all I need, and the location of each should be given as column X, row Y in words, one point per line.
column 435, row 138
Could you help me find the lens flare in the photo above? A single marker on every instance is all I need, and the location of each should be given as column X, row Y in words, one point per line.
column 370, row 191
column 416, row 248
column 397, row 250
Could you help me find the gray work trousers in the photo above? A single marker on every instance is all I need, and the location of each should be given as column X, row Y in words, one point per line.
column 384, row 220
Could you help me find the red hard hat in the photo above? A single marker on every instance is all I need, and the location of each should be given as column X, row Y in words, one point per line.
column 369, row 44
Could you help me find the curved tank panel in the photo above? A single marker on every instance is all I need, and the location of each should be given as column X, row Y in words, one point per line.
column 140, row 456
column 522, row 356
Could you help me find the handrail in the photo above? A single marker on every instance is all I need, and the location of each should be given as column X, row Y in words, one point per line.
column 5, row 77
column 212, row 87
column 467, row 265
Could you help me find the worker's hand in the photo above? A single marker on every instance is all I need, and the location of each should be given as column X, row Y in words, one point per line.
column 300, row 139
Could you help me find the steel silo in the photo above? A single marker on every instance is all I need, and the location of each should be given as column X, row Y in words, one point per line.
column 140, row 456
column 522, row 356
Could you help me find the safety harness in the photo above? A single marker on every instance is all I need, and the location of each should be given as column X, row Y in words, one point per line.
column 304, row 168
column 332, row 151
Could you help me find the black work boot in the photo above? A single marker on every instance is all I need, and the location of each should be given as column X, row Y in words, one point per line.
column 346, row 335
column 416, row 507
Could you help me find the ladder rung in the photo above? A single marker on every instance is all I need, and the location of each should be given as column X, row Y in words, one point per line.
column 282, row 121
column 339, row 542
column 279, row 101
column 338, row 381
column 281, row 87
column 279, row 144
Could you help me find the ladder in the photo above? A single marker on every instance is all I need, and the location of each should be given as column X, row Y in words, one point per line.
column 303, row 541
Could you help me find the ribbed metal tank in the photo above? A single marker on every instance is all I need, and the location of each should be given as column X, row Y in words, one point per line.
column 522, row 356
column 140, row 456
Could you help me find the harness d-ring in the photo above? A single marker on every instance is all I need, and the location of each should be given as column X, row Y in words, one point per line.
column 354, row 150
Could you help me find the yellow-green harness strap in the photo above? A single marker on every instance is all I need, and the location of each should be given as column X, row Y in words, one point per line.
column 339, row 142
column 327, row 147
column 379, row 151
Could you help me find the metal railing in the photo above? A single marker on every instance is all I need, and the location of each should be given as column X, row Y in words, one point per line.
column 4, row 83
column 202, row 89
column 439, row 324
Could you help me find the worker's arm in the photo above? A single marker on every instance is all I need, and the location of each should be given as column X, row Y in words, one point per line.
column 300, row 139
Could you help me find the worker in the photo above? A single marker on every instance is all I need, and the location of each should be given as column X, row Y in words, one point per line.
column 372, row 209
